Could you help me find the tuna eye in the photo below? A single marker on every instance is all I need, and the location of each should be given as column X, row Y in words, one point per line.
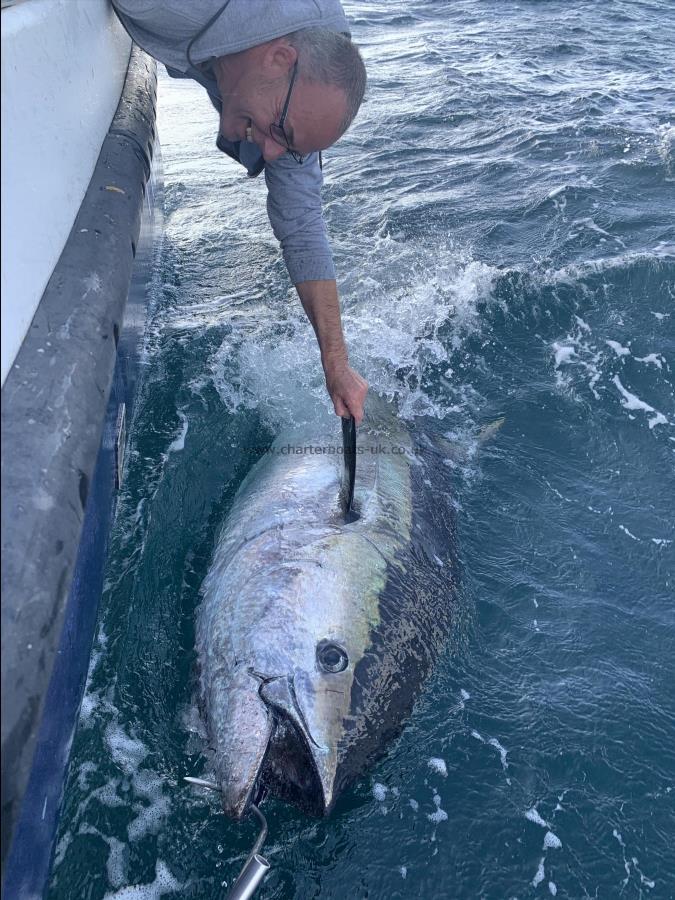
column 331, row 657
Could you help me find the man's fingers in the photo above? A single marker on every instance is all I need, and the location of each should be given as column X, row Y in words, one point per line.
column 357, row 405
column 355, row 408
column 348, row 392
column 357, row 412
column 340, row 408
column 350, row 407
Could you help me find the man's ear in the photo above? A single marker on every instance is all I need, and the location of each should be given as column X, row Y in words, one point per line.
column 279, row 58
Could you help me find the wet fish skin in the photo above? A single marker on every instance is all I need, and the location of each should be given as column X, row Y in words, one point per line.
column 315, row 636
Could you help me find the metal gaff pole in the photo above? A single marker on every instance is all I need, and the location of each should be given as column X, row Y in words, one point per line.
column 255, row 867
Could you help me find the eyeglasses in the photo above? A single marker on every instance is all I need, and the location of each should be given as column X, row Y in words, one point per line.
column 277, row 129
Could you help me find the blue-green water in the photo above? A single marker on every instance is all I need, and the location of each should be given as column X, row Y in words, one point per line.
column 502, row 217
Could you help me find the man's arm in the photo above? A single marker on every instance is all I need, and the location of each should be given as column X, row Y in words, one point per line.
column 346, row 387
column 294, row 209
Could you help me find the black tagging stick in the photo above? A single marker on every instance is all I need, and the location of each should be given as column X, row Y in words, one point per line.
column 349, row 452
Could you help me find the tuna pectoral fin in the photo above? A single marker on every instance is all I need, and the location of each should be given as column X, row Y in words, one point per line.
column 242, row 733
column 489, row 431
column 461, row 454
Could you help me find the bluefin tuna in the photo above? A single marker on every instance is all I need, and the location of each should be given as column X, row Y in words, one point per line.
column 317, row 630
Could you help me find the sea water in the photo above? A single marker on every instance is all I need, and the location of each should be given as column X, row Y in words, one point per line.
column 502, row 220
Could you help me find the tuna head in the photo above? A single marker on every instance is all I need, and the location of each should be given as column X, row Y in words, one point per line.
column 279, row 731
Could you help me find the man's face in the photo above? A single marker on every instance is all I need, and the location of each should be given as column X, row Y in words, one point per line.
column 254, row 91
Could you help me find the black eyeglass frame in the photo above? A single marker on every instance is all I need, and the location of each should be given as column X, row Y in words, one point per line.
column 282, row 120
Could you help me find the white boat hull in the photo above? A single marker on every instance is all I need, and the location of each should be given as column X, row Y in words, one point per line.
column 63, row 68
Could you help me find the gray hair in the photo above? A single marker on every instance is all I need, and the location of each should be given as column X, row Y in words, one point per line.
column 329, row 57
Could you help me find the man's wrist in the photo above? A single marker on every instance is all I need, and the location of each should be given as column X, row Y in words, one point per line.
column 334, row 359
column 320, row 301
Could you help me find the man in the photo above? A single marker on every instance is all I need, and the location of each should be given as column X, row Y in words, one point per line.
column 287, row 83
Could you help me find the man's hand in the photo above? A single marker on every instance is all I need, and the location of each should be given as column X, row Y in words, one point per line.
column 347, row 389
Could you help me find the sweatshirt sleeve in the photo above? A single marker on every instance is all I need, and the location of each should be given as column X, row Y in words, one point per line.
column 294, row 210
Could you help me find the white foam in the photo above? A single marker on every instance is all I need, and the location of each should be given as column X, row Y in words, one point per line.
column 164, row 883
column 649, row 882
column 83, row 773
column 439, row 815
column 179, row 442
column 403, row 870
column 659, row 419
column 575, row 351
column 479, row 737
column 379, row 792
column 148, row 787
column 279, row 371
column 88, row 707
column 631, row 401
column 563, row 353
column 533, row 816
column 589, row 224
column 501, row 750
column 107, row 794
column 91, row 700
column 552, row 888
column 626, row 864
column 629, row 533
column 128, row 752
column 438, row 765
column 150, row 817
column 643, row 878
column 592, row 383
column 116, row 865
column 465, row 695
column 654, row 359
column 540, row 874
column 552, row 841
column 414, row 805
column 618, row 349
column 61, row 848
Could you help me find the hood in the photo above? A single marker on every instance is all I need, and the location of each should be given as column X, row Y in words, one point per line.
column 164, row 28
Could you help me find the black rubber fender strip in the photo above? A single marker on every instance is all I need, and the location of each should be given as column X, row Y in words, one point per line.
column 53, row 408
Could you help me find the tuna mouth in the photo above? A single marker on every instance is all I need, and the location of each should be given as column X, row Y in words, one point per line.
column 292, row 765
column 288, row 770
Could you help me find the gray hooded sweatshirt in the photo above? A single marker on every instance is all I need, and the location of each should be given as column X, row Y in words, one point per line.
column 167, row 28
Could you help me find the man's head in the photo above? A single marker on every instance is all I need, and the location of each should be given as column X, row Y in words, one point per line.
column 255, row 85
